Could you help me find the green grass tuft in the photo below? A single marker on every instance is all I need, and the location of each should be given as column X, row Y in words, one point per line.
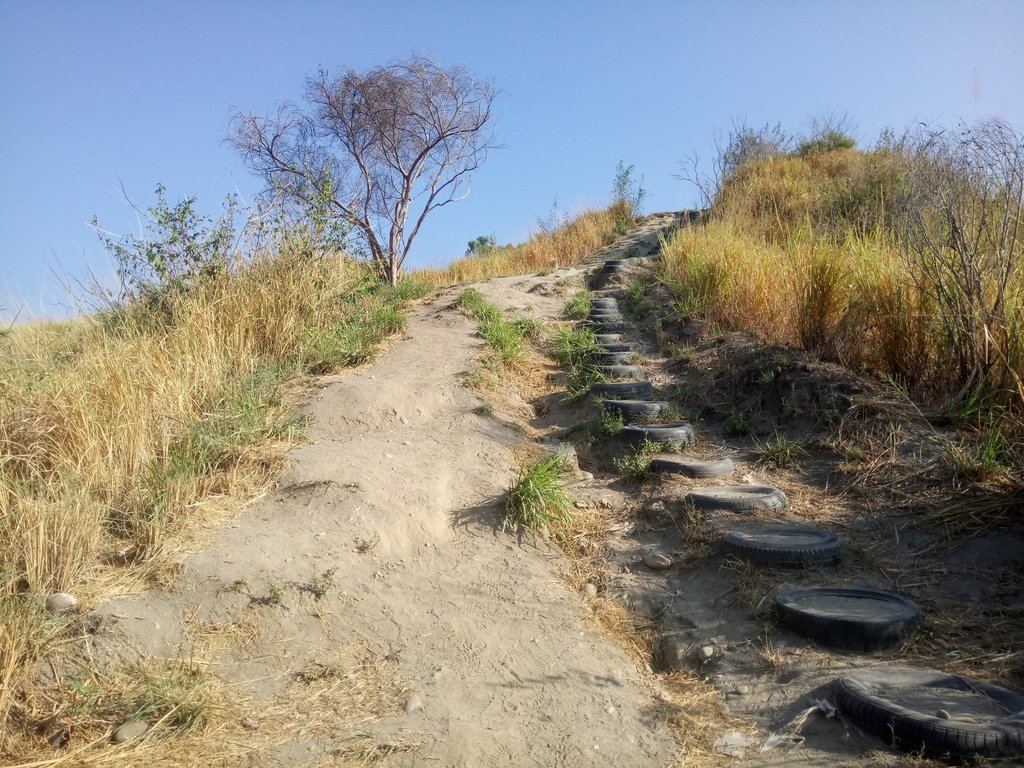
column 537, row 500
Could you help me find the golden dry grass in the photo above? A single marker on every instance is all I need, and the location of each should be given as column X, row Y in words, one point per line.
column 125, row 435
column 563, row 246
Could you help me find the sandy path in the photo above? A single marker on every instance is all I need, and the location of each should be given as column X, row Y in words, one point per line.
column 482, row 628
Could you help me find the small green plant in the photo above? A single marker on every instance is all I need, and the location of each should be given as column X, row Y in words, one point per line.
column 610, row 423
column 275, row 594
column 573, row 346
column 527, row 327
column 628, row 195
column 737, row 423
column 174, row 694
column 982, row 460
column 318, row 586
column 578, row 307
column 680, row 354
column 478, row 378
column 636, row 465
column 581, row 378
column 638, row 304
column 484, row 409
column 537, row 500
column 780, row 452
column 718, row 333
column 364, row 545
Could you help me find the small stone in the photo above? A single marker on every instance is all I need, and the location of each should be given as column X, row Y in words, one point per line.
column 61, row 602
column 586, row 476
column 129, row 731
column 590, row 590
column 610, row 709
column 581, row 505
column 742, row 690
column 658, row 561
column 673, row 652
column 942, row 714
column 414, row 704
column 604, row 504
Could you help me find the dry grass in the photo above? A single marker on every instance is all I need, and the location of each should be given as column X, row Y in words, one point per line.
column 811, row 251
column 563, row 246
column 125, row 435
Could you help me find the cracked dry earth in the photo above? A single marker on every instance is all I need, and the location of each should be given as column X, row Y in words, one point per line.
column 480, row 653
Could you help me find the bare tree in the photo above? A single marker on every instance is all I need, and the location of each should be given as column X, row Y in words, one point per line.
column 963, row 227
column 379, row 149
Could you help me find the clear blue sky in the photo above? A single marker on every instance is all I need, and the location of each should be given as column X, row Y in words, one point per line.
column 96, row 93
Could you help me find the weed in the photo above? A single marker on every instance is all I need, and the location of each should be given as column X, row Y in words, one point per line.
column 366, row 545
column 484, row 409
column 315, row 671
column 318, row 586
column 737, row 423
column 477, row 378
column 717, row 333
column 638, row 304
column 611, row 423
column 636, row 465
column 679, row 354
column 780, row 452
column 578, row 307
column 175, row 694
column 580, row 380
column 537, row 500
column 574, row 347
column 275, row 594
column 527, row 327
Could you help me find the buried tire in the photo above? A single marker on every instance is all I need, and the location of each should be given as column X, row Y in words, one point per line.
column 692, row 467
column 677, row 435
column 622, row 390
column 635, row 372
column 633, row 411
column 737, row 498
column 787, row 546
column 848, row 618
column 925, row 709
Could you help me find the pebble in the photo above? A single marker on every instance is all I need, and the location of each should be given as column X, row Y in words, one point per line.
column 707, row 652
column 657, row 561
column 61, row 602
column 942, row 714
column 742, row 690
column 414, row 704
column 590, row 590
column 129, row 731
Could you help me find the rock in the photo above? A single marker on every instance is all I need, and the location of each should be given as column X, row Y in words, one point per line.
column 742, row 690
column 581, row 505
column 129, row 731
column 658, row 561
column 942, row 714
column 414, row 704
column 590, row 590
column 61, row 602
column 674, row 651
column 706, row 653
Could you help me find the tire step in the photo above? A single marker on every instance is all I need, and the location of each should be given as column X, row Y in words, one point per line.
column 675, row 435
column 692, row 467
column 737, row 498
column 847, row 618
column 785, row 546
column 636, row 411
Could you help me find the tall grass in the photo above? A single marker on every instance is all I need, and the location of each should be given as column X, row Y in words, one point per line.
column 551, row 248
column 119, row 432
column 816, row 251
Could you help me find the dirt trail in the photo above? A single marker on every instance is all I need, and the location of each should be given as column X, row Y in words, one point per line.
column 396, row 492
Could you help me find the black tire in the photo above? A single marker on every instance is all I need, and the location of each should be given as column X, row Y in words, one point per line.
column 603, row 327
column 847, row 618
column 614, row 262
column 677, row 435
column 608, row 338
column 634, row 372
column 606, row 317
column 604, row 302
column 614, row 358
column 611, row 269
column 622, row 390
column 737, row 498
column 787, row 546
column 637, row 411
column 620, row 346
column 876, row 700
column 692, row 467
